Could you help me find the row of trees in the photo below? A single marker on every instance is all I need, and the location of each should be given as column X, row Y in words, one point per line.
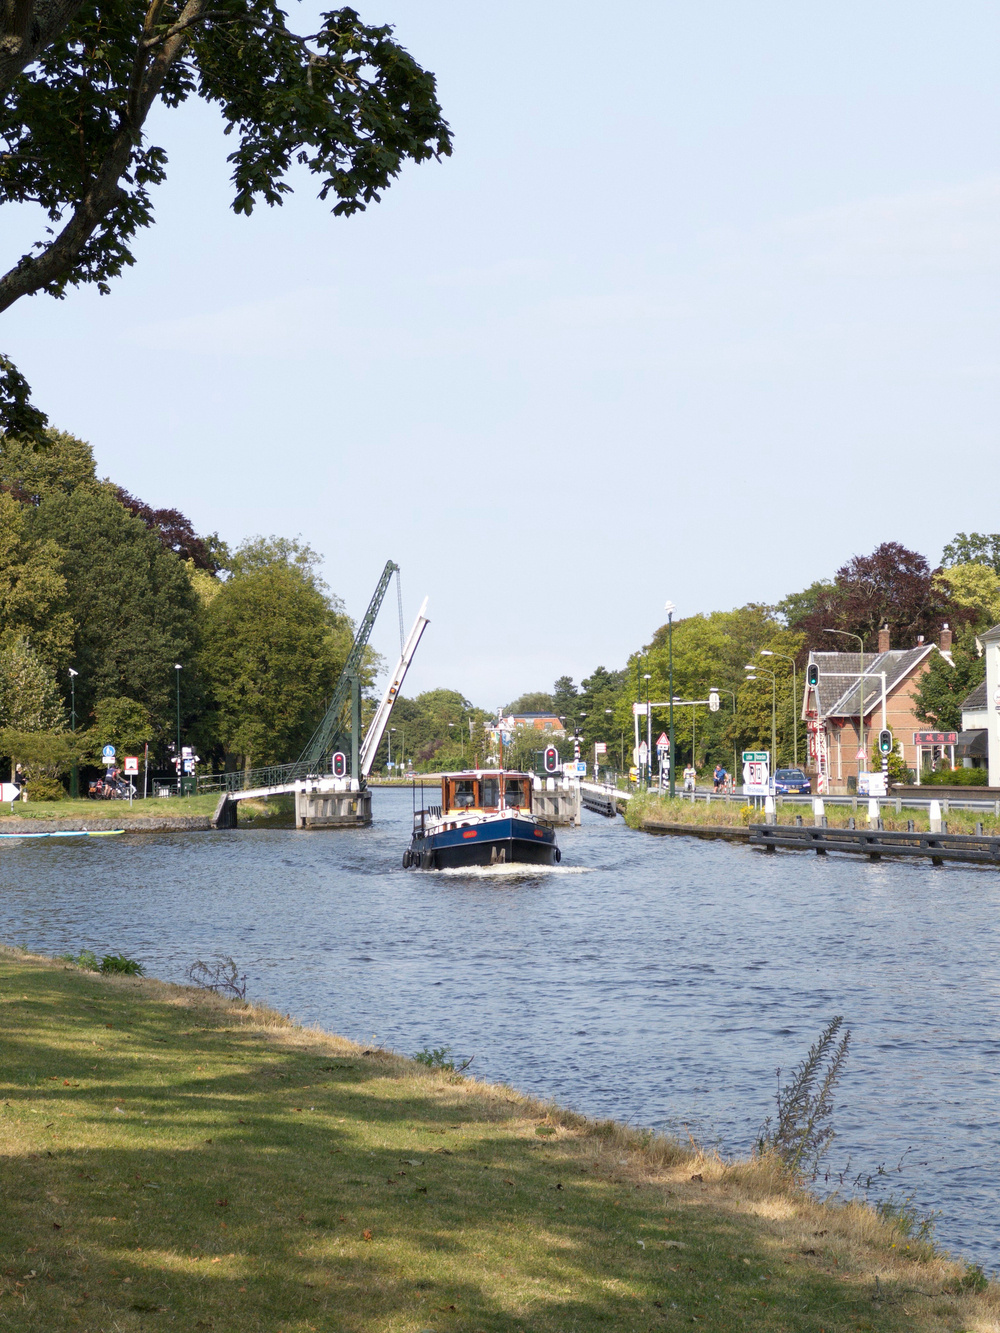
column 892, row 586
column 132, row 600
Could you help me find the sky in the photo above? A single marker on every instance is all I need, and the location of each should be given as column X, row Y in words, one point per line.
column 704, row 304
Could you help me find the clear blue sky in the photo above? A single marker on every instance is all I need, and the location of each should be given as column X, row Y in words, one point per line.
column 704, row 303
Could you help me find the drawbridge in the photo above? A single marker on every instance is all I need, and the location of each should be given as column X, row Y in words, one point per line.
column 329, row 778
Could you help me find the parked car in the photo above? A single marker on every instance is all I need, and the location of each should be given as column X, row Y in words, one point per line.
column 791, row 782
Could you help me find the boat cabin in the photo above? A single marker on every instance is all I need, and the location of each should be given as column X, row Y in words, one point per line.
column 484, row 793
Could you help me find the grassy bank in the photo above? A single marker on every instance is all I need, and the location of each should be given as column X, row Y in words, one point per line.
column 645, row 809
column 174, row 1160
column 121, row 814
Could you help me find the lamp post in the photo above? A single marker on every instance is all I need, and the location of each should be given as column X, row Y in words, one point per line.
column 180, row 764
column 726, row 690
column 74, row 773
column 670, row 609
column 774, row 700
column 391, row 730
column 861, row 701
column 649, row 731
column 769, row 652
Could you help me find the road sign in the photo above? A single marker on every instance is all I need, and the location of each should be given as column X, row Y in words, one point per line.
column 9, row 791
column 756, row 773
column 872, row 784
column 575, row 768
column 131, row 764
column 108, row 752
column 663, row 741
column 600, row 747
column 643, row 752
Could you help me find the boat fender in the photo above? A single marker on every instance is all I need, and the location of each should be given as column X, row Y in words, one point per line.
column 426, row 860
column 558, row 856
column 407, row 859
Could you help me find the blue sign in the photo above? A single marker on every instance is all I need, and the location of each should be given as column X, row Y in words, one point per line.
column 108, row 752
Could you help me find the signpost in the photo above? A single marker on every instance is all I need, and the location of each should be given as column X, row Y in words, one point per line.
column 131, row 770
column 9, row 791
column 756, row 773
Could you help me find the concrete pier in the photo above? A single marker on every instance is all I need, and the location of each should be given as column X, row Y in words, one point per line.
column 332, row 805
column 556, row 801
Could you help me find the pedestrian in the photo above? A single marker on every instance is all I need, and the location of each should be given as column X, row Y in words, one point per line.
column 690, row 777
column 719, row 778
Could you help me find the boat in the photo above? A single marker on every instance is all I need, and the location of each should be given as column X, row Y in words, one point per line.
column 484, row 819
column 70, row 833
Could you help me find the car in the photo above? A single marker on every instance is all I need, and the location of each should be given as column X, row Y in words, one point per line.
column 791, row 782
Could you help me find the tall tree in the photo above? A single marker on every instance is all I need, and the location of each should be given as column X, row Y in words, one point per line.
column 29, row 697
column 893, row 586
column 31, row 468
column 982, row 548
column 938, row 699
column 134, row 610
column 32, row 589
column 80, row 78
column 274, row 646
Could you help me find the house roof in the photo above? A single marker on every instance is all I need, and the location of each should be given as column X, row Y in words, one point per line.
column 976, row 701
column 839, row 687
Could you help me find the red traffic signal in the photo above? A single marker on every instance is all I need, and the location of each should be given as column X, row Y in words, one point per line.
column 339, row 764
column 551, row 759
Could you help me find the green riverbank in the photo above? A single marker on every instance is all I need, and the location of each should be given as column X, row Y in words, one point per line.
column 647, row 811
column 176, row 1160
column 177, row 814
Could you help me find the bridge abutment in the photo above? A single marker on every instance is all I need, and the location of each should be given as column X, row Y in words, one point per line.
column 332, row 809
column 556, row 801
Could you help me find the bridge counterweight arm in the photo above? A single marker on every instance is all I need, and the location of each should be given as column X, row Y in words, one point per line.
column 377, row 726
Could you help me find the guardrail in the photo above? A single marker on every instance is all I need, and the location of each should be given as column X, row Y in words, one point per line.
column 977, row 848
column 897, row 803
column 276, row 775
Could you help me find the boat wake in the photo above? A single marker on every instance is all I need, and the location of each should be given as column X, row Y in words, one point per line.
column 509, row 870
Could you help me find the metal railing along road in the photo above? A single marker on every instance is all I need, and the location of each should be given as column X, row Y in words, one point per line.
column 942, row 794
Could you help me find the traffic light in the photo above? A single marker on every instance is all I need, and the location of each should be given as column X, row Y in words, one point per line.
column 713, row 701
column 812, row 674
column 551, row 759
column 885, row 741
column 339, row 764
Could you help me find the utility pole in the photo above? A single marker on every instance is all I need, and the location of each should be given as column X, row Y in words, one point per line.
column 670, row 609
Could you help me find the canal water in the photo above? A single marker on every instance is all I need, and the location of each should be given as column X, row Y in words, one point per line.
column 657, row 980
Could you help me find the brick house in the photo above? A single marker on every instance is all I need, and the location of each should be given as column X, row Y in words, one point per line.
column 832, row 708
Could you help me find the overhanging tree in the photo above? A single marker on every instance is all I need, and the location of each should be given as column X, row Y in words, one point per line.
column 79, row 79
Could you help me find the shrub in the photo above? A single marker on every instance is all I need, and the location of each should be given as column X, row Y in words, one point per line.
column 46, row 789
column 117, row 962
column 957, row 777
column 802, row 1132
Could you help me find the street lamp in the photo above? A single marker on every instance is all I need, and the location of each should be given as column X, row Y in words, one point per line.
column 649, row 731
column 391, row 730
column 178, row 668
column 861, row 700
column 774, row 700
column 670, row 609
column 74, row 773
column 769, row 652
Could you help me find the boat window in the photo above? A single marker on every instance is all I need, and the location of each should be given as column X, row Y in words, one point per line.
column 514, row 792
column 491, row 793
column 464, row 794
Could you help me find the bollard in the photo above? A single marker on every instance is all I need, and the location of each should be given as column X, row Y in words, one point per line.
column 873, row 813
column 935, row 816
column 979, row 828
column 798, row 821
column 909, row 826
column 769, row 815
column 851, row 823
column 899, row 805
column 822, row 821
column 819, row 811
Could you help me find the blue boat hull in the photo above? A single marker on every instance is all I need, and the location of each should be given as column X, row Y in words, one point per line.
column 500, row 841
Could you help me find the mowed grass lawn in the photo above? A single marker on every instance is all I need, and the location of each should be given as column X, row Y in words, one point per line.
column 170, row 1160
